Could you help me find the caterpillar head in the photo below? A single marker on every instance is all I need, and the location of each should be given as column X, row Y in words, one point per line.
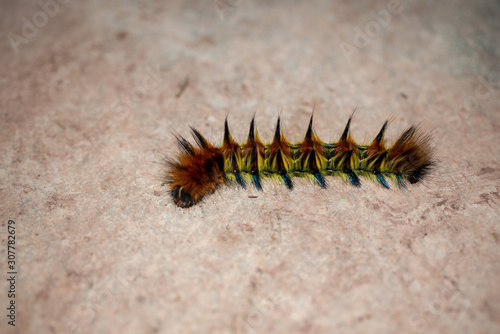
column 197, row 172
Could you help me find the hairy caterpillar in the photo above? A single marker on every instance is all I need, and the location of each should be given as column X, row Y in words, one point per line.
column 200, row 169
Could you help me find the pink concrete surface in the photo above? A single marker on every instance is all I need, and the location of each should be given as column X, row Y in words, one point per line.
column 90, row 96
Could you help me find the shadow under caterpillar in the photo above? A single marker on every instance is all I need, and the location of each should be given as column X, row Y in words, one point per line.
column 200, row 169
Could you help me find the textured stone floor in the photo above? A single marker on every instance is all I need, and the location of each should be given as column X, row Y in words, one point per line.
column 91, row 93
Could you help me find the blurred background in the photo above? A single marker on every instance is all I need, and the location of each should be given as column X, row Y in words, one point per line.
column 91, row 92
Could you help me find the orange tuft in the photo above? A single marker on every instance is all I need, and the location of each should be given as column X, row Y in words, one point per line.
column 198, row 171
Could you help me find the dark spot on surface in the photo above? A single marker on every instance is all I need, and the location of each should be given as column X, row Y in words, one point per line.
column 182, row 87
column 442, row 202
column 121, row 35
column 43, row 295
column 156, row 193
column 228, row 237
column 364, row 317
column 72, row 273
column 403, row 95
column 56, row 201
column 51, row 205
column 130, row 68
column 495, row 236
column 486, row 170
column 492, row 197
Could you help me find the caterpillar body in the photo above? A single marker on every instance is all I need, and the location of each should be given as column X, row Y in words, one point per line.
column 200, row 169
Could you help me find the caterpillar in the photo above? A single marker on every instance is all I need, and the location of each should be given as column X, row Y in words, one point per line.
column 200, row 169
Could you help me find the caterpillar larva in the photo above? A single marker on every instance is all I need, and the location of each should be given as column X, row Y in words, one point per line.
column 199, row 170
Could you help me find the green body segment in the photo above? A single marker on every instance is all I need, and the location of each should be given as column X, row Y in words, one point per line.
column 299, row 166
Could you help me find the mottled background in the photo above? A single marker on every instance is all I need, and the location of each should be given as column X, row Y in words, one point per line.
column 91, row 92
